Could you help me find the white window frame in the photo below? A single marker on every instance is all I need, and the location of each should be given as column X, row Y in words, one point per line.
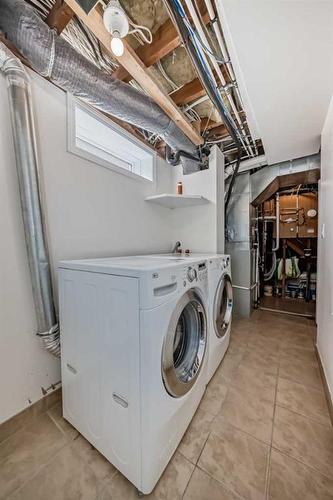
column 72, row 104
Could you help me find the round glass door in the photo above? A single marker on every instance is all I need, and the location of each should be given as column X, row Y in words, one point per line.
column 223, row 306
column 184, row 345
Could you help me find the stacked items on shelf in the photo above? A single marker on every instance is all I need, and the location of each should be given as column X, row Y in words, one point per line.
column 296, row 288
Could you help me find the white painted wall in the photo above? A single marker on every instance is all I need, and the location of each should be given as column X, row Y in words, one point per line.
column 281, row 54
column 91, row 211
column 201, row 228
column 325, row 252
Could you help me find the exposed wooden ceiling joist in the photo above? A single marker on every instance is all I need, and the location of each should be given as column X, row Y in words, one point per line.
column 207, row 124
column 59, row 16
column 220, row 130
column 166, row 39
column 193, row 90
column 133, row 64
column 188, row 93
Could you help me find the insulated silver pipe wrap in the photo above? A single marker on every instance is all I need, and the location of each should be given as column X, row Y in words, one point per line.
column 53, row 57
column 24, row 136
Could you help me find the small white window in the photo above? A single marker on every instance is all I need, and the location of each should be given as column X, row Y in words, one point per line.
column 93, row 137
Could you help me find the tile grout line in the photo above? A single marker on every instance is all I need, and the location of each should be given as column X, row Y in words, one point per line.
column 304, row 416
column 268, row 472
column 58, row 426
column 308, row 386
column 188, row 482
column 243, row 432
column 311, row 418
column 285, row 454
column 37, row 471
column 202, row 449
column 222, row 483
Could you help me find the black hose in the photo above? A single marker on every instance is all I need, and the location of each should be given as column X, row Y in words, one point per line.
column 174, row 159
column 232, row 182
column 207, row 84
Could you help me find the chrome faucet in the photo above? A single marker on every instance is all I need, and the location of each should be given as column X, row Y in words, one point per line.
column 177, row 245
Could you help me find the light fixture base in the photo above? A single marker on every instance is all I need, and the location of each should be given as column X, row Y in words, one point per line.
column 115, row 20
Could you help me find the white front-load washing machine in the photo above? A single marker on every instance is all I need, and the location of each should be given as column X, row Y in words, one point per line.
column 220, row 297
column 134, row 356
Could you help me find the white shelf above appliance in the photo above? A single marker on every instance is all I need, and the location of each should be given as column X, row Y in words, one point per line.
column 177, row 200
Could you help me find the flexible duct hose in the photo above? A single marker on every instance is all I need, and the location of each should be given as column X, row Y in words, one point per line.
column 51, row 56
column 269, row 275
column 24, row 136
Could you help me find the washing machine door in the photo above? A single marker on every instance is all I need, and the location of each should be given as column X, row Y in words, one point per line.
column 184, row 346
column 223, row 302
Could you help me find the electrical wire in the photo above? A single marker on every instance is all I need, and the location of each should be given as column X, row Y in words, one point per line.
column 167, row 77
column 140, row 30
column 193, row 33
column 208, row 119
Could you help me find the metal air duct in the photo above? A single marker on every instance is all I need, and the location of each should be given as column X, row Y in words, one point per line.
column 51, row 56
column 27, row 169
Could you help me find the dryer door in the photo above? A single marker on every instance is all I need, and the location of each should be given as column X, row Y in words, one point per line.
column 223, row 306
column 184, row 346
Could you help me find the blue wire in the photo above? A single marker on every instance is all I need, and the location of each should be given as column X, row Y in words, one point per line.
column 200, row 53
column 193, row 32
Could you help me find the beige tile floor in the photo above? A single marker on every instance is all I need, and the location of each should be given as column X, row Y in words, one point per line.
column 262, row 431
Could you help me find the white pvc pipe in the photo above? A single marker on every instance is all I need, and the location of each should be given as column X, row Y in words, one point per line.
column 217, row 68
column 219, row 37
column 277, row 245
column 224, row 51
column 203, row 37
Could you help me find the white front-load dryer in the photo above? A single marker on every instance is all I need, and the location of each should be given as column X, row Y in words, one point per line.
column 134, row 356
column 220, row 310
column 220, row 298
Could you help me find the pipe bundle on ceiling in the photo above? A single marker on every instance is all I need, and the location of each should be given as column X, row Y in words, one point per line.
column 199, row 60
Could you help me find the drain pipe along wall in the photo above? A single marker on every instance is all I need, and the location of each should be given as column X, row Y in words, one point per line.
column 90, row 211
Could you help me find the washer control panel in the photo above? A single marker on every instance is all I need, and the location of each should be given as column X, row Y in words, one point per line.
column 191, row 274
column 194, row 273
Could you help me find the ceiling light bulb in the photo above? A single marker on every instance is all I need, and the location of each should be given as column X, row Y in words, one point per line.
column 117, row 46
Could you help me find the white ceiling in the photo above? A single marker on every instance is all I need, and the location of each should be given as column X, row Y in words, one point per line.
column 282, row 52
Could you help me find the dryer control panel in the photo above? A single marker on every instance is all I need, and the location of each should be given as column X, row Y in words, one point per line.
column 226, row 262
column 195, row 273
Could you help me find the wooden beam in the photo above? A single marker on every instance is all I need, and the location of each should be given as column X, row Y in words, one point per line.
column 188, row 92
column 59, row 16
column 294, row 245
column 166, row 39
column 207, row 124
column 193, row 90
column 285, row 181
column 130, row 61
column 219, row 130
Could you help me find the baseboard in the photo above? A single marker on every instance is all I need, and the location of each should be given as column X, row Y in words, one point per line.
column 27, row 416
column 326, row 388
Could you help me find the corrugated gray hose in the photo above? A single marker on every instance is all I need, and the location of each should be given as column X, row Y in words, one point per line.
column 24, row 137
column 53, row 57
